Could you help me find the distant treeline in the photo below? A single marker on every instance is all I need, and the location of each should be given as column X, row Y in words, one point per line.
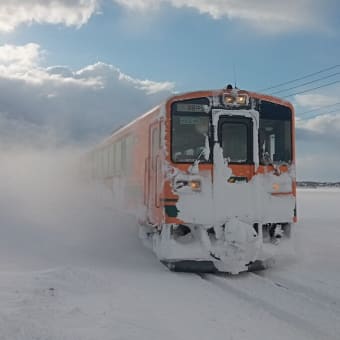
column 311, row 184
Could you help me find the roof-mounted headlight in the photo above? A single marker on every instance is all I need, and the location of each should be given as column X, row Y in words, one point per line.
column 229, row 99
column 235, row 100
column 242, row 99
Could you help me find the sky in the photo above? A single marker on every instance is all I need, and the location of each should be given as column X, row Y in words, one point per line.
column 71, row 71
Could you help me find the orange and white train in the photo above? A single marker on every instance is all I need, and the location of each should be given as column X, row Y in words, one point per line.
column 210, row 176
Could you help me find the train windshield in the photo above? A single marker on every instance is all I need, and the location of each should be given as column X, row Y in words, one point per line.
column 190, row 124
column 275, row 136
column 189, row 133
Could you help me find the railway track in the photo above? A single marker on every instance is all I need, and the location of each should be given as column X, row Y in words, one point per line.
column 318, row 297
column 311, row 313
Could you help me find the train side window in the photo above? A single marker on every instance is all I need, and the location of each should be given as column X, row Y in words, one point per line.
column 104, row 161
column 118, row 158
column 112, row 166
column 96, row 164
column 107, row 161
column 123, row 156
column 129, row 154
column 99, row 163
column 115, row 162
column 155, row 143
column 109, row 165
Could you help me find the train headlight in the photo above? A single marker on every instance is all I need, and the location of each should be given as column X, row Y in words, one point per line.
column 188, row 185
column 276, row 187
column 195, row 185
column 230, row 99
column 281, row 187
column 241, row 99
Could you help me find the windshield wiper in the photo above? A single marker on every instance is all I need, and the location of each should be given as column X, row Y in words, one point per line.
column 193, row 169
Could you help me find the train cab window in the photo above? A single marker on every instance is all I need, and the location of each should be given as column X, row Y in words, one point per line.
column 189, row 133
column 275, row 136
column 190, row 126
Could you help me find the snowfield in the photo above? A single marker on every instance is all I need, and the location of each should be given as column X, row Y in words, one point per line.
column 73, row 268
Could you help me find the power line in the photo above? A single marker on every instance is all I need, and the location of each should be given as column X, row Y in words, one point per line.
column 322, row 113
column 318, row 108
column 314, row 88
column 307, row 83
column 301, row 78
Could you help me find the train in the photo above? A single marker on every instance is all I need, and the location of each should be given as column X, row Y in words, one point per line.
column 210, row 176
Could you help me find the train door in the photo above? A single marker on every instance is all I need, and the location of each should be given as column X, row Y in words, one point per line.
column 235, row 135
column 234, row 164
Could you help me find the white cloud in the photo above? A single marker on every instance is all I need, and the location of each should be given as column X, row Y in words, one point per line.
column 62, row 104
column 139, row 4
column 328, row 124
column 67, row 12
column 271, row 16
column 312, row 101
column 149, row 86
column 318, row 143
column 322, row 115
column 22, row 63
column 25, row 55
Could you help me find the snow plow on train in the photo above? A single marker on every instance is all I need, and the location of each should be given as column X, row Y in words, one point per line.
column 210, row 175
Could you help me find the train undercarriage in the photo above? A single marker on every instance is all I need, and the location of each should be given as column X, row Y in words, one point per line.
column 233, row 247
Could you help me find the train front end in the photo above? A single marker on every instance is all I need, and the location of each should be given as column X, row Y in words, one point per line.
column 229, row 180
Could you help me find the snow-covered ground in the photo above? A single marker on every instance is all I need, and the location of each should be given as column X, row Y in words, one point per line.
column 71, row 268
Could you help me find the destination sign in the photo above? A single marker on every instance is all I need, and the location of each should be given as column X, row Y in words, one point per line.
column 184, row 107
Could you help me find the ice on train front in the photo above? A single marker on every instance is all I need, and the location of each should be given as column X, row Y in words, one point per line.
column 229, row 181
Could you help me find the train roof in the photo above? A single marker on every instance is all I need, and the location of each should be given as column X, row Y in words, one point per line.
column 195, row 94
column 217, row 92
